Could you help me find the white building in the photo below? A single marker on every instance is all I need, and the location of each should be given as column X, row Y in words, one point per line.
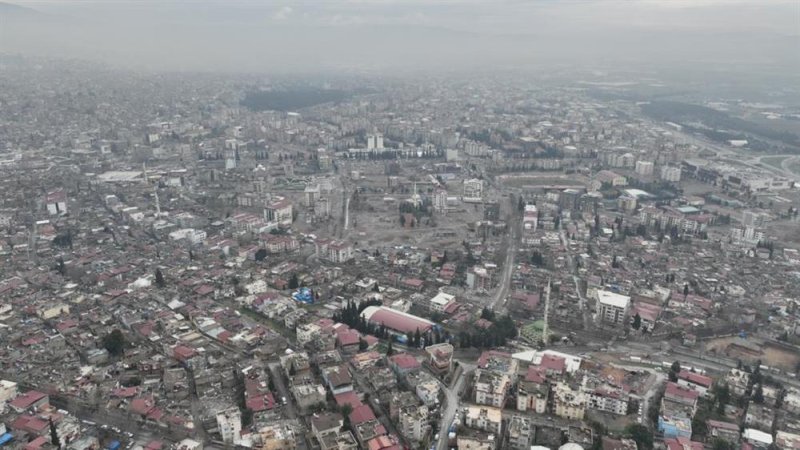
column 335, row 251
column 280, row 212
column 644, row 168
column 229, row 423
column 374, row 141
column 8, row 391
column 746, row 235
column 473, row 191
column 56, row 202
column 191, row 235
column 491, row 388
column 612, row 307
column 484, row 418
column 672, row 174
column 440, row 201
column 441, row 301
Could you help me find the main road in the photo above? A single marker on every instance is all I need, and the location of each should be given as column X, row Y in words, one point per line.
column 514, row 236
column 571, row 262
column 451, row 403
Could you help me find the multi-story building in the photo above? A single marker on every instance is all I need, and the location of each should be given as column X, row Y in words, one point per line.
column 229, row 423
column 533, row 391
column 440, row 201
column 671, row 174
column 569, row 402
column 644, row 168
column 308, row 395
column 484, row 418
column 473, row 191
column 8, row 390
column 441, row 357
column 277, row 436
column 335, row 251
column 613, row 401
column 520, row 433
column 414, row 422
column 56, row 202
column 441, row 301
column 491, row 388
column 280, row 212
column 612, row 307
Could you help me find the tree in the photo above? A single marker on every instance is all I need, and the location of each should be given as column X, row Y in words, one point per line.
column 641, row 434
column 685, row 290
column 114, row 342
column 722, row 395
column 294, row 282
column 758, row 395
column 487, row 314
column 721, row 444
column 261, row 254
column 417, row 338
column 362, row 344
column 347, row 409
column 54, row 434
column 674, row 370
column 376, row 288
column 160, row 278
column 390, row 348
column 637, row 321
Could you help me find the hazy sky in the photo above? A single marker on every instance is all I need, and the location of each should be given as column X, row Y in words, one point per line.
column 302, row 34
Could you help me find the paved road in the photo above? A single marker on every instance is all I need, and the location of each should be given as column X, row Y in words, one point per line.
column 508, row 266
column 452, row 403
column 585, row 310
column 276, row 373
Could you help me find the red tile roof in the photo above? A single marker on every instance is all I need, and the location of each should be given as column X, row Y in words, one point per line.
column 552, row 362
column 143, row 406
column 350, row 398
column 696, row 378
column 404, row 361
column 675, row 390
column 361, row 414
column 535, row 374
column 682, row 443
column 27, row 399
column 722, row 425
column 258, row 403
column 37, row 443
column 395, row 320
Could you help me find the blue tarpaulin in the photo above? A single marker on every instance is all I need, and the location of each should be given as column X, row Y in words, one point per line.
column 6, row 438
column 114, row 445
column 304, row 295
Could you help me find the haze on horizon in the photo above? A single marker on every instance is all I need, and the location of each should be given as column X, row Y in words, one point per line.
column 411, row 35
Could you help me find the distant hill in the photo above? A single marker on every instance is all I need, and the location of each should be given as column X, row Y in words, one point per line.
column 12, row 11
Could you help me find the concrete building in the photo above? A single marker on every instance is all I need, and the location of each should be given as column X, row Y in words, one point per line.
column 280, row 212
column 473, row 191
column 414, row 422
column 491, row 388
column 612, row 307
column 520, row 433
column 484, row 418
column 56, row 202
column 671, row 174
column 441, row 301
column 395, row 321
column 229, row 424
column 569, row 402
column 441, row 358
column 644, row 168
